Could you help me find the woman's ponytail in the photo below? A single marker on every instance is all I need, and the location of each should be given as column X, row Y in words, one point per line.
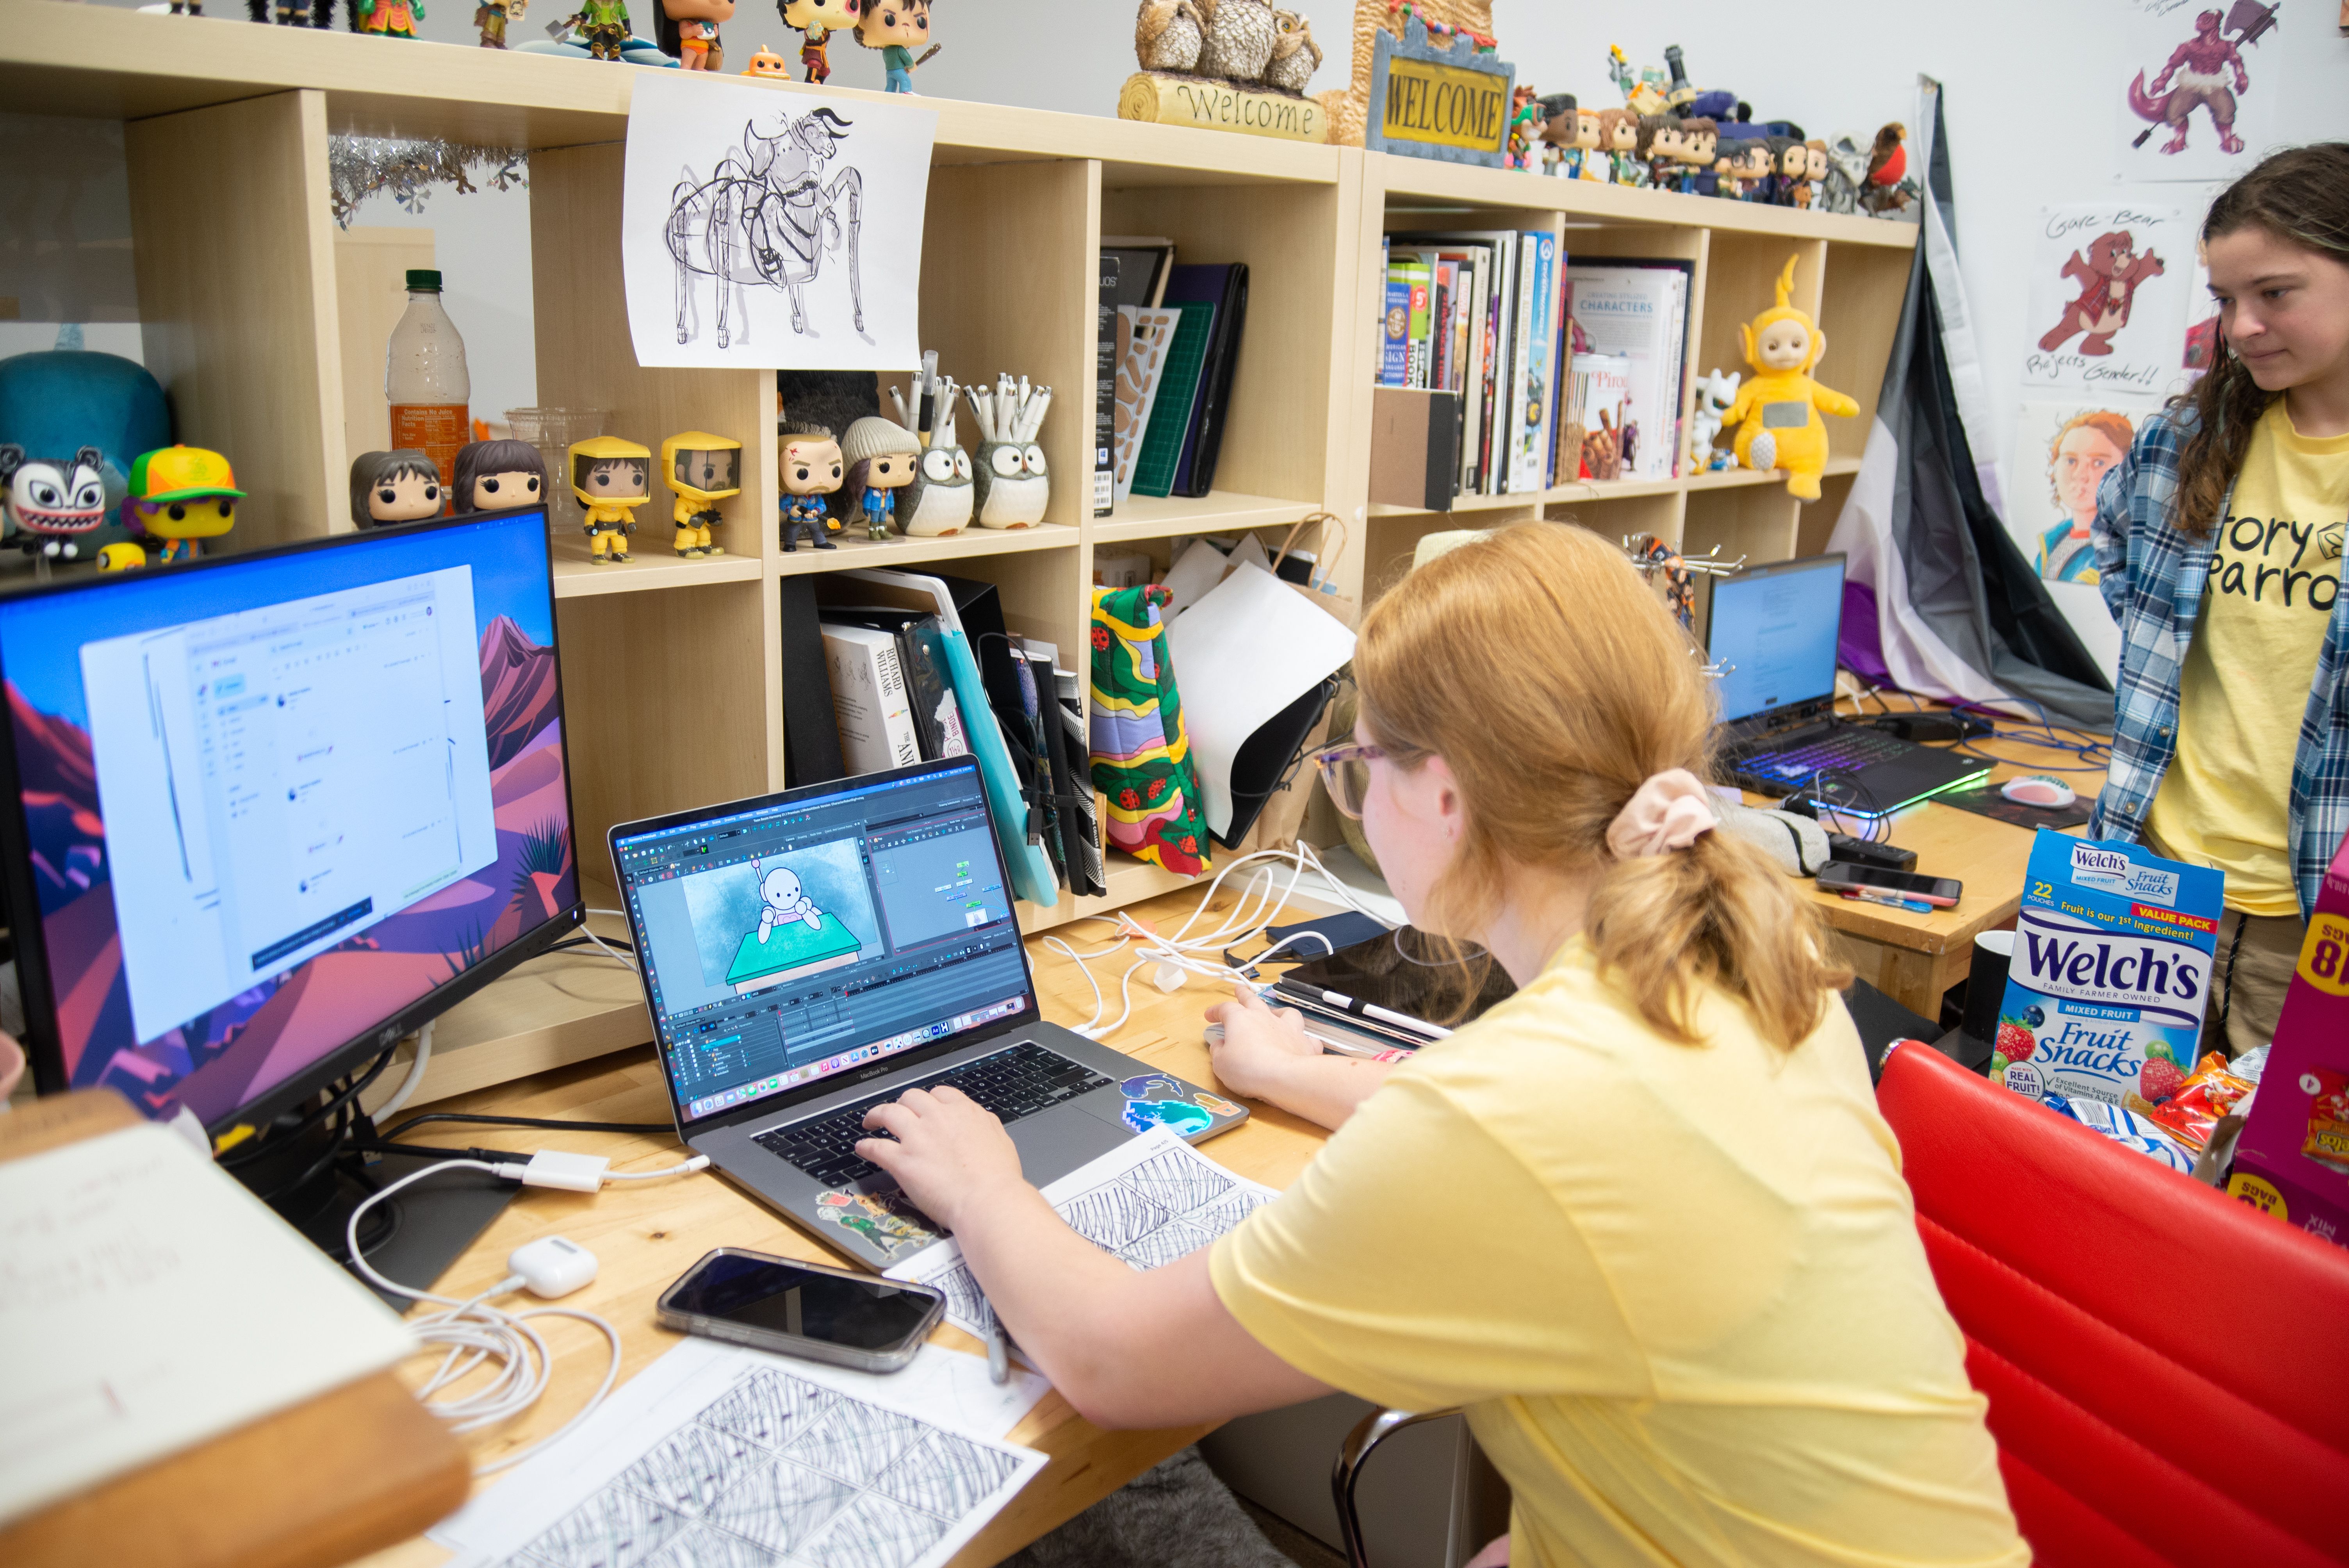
column 1556, row 684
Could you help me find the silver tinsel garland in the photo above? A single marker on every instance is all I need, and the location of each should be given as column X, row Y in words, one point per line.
column 359, row 166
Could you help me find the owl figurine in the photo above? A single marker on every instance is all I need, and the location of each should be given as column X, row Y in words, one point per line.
column 938, row 503
column 1012, row 484
column 1238, row 42
column 1294, row 56
column 1166, row 35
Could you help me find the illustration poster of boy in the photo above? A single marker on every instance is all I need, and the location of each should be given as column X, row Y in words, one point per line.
column 2062, row 452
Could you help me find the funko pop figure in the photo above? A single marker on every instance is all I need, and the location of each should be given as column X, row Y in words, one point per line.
column 499, row 476
column 812, row 469
column 815, row 21
column 689, row 32
column 389, row 488
column 179, row 495
column 47, row 503
column 896, row 28
column 611, row 477
column 881, row 458
column 703, row 469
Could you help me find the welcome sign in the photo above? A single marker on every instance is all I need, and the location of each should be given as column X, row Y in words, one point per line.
column 1451, row 104
column 2113, row 952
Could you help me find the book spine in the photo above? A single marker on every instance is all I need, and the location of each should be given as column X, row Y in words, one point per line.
column 1106, row 390
column 868, row 689
column 1521, row 364
column 1394, row 333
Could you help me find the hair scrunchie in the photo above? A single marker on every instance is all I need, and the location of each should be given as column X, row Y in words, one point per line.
column 1670, row 812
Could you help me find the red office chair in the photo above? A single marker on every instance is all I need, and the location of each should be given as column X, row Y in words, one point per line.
column 2168, row 1371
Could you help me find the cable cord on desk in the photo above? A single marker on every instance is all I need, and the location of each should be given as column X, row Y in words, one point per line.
column 475, row 1332
column 1263, row 897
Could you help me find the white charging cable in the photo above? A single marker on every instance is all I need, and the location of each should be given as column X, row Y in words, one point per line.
column 475, row 1332
column 1176, row 958
column 408, row 1085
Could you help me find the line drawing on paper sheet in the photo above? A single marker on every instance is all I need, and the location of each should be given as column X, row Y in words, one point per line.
column 1165, row 1205
column 781, row 1472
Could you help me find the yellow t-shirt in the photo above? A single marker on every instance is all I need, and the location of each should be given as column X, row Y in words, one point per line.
column 2275, row 571
column 1679, row 1289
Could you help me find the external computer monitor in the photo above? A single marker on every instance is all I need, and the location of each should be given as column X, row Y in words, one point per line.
column 267, row 813
column 1775, row 629
column 800, row 939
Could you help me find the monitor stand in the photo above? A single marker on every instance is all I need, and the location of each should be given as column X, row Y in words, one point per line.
column 411, row 1238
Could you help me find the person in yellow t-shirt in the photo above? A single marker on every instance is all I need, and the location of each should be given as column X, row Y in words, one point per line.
column 2218, row 550
column 1642, row 1220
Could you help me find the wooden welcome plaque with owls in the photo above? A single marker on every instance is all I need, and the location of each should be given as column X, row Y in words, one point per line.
column 1225, row 65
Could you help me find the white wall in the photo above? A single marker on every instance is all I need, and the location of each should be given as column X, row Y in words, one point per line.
column 2026, row 127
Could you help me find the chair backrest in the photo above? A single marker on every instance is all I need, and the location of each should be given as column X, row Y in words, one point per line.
column 2165, row 1368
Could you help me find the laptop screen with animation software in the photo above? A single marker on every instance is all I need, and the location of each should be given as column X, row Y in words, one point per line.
column 1775, row 629
column 805, row 936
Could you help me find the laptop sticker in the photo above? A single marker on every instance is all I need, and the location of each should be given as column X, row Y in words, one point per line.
column 884, row 1218
column 1160, row 1087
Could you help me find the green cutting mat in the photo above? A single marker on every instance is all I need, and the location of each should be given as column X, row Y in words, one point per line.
column 790, row 945
column 1178, row 388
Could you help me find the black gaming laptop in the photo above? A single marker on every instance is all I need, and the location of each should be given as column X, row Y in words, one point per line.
column 1772, row 635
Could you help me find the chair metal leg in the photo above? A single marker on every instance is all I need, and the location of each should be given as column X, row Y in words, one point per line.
column 1368, row 1433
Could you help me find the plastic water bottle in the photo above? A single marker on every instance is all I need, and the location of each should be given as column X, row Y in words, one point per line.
column 424, row 377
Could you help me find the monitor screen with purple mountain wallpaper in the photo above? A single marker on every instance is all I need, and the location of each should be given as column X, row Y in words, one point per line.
column 272, row 804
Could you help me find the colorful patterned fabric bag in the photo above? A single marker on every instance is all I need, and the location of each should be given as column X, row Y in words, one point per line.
column 1141, row 753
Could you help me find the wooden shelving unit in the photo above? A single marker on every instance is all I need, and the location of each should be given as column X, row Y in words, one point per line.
column 671, row 668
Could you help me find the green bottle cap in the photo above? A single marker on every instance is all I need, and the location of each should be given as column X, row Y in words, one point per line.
column 423, row 280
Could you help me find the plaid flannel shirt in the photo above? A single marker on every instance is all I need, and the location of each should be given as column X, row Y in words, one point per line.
column 2152, row 575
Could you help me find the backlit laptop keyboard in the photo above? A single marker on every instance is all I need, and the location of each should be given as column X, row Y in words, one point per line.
column 1842, row 750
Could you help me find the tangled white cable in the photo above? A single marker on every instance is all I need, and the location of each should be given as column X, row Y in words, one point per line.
column 1263, row 896
column 476, row 1332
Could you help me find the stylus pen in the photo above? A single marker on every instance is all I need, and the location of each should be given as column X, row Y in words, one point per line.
column 1345, row 1004
column 1889, row 900
column 998, row 1354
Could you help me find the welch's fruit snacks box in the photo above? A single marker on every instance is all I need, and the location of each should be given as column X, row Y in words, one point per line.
column 2112, row 964
column 2292, row 1161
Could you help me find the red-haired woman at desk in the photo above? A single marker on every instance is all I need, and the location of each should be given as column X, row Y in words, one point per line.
column 1641, row 1219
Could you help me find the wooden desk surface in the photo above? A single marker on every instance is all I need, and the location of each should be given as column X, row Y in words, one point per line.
column 1914, row 958
column 646, row 1235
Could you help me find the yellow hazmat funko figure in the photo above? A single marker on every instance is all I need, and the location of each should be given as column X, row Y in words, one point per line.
column 703, row 469
column 611, row 477
column 1777, row 412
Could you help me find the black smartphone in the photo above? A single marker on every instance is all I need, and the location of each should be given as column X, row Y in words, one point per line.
column 838, row 1315
column 1939, row 891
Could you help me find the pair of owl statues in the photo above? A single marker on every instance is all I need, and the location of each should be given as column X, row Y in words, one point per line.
column 1245, row 42
column 1006, row 486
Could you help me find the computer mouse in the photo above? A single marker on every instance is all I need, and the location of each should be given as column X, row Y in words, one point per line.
column 2049, row 794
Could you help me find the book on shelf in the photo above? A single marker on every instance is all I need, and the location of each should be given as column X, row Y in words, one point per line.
column 869, row 698
column 1638, row 310
column 1143, row 262
column 1105, row 348
column 1599, row 392
column 1161, row 458
column 1225, row 286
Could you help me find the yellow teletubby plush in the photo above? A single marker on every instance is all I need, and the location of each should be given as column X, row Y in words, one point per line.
column 1777, row 412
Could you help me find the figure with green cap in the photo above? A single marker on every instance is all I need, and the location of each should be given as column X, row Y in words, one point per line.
column 180, row 496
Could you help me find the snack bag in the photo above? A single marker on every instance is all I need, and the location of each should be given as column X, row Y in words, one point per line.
column 2112, row 966
column 2292, row 1161
column 2211, row 1092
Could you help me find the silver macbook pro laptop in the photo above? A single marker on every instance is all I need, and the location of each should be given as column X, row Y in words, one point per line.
column 809, row 954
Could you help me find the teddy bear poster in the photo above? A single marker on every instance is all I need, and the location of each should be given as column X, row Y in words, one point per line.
column 2108, row 288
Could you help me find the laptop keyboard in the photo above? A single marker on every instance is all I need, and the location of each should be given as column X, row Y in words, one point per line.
column 1844, row 750
column 1017, row 1081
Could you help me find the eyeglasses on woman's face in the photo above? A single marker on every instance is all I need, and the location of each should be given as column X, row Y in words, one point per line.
column 1345, row 772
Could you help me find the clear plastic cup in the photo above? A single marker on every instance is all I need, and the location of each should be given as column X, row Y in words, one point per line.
column 551, row 431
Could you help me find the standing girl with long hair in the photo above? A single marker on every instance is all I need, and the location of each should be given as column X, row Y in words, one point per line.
column 2218, row 549
column 1641, row 1219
